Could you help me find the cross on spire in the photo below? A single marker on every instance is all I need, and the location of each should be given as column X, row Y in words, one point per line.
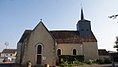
column 41, row 20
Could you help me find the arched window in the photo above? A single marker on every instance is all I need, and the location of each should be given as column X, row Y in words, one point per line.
column 59, row 52
column 39, row 49
column 39, row 54
column 74, row 51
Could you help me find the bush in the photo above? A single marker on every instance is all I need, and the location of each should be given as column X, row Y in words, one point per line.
column 99, row 61
column 91, row 62
column 107, row 61
column 61, row 65
column 70, row 58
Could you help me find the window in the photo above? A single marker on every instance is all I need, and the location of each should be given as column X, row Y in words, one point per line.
column 82, row 29
column 10, row 54
column 39, row 54
column 39, row 49
column 59, row 52
column 39, row 59
column 74, row 51
column 87, row 29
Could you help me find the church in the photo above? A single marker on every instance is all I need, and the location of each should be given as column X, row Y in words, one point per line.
column 41, row 46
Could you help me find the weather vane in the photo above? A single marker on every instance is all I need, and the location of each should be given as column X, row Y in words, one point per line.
column 40, row 19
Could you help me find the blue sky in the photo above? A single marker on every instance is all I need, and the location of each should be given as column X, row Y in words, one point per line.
column 18, row 15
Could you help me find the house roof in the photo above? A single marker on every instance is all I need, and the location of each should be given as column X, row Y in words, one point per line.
column 9, row 50
column 102, row 52
column 71, row 37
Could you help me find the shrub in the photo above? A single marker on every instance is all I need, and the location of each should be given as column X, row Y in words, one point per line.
column 61, row 65
column 71, row 58
column 99, row 61
column 107, row 61
column 89, row 62
column 92, row 62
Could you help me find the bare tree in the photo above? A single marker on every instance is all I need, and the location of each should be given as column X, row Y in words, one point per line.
column 113, row 16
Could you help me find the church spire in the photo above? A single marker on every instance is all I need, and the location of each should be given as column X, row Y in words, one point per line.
column 82, row 15
column 84, row 26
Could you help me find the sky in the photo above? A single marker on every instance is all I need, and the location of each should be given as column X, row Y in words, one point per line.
column 18, row 15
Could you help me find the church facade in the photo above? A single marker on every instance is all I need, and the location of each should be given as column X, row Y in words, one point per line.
column 41, row 46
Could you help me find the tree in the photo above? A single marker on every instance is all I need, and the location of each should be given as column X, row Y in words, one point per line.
column 116, row 42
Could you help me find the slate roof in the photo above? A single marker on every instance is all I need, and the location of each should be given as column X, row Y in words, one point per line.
column 71, row 37
column 102, row 52
column 9, row 50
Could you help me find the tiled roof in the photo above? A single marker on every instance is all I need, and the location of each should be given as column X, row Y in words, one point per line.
column 71, row 37
column 102, row 52
column 64, row 36
column 25, row 35
column 9, row 51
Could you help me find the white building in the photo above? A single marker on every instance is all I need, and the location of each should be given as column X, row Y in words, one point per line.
column 8, row 55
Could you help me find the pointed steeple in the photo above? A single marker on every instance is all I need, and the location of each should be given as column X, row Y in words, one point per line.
column 82, row 15
column 83, row 25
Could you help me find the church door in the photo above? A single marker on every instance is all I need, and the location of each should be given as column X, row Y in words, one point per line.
column 39, row 54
